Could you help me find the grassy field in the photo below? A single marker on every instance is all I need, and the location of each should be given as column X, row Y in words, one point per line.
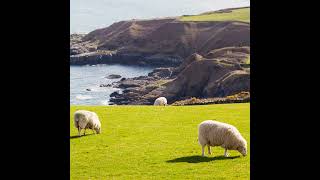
column 242, row 14
column 147, row 142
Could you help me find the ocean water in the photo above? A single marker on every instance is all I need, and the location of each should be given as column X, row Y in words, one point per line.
column 90, row 77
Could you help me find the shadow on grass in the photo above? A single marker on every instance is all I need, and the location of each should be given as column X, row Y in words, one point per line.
column 76, row 136
column 199, row 159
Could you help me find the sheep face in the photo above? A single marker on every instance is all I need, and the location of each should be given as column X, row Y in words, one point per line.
column 242, row 150
column 98, row 130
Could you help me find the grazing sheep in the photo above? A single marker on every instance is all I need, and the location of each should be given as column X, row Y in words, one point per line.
column 161, row 101
column 87, row 120
column 214, row 133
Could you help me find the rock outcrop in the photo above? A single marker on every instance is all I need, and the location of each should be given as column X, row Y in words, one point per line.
column 113, row 76
column 203, row 77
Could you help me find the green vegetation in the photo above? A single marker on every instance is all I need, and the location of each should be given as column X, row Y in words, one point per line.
column 248, row 60
column 242, row 14
column 157, row 84
column 153, row 142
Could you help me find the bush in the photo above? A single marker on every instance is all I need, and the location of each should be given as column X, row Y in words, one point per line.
column 241, row 97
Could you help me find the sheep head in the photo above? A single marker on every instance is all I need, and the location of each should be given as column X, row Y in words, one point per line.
column 243, row 147
column 98, row 130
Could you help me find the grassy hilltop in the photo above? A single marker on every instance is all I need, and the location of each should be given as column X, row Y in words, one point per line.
column 241, row 14
column 147, row 142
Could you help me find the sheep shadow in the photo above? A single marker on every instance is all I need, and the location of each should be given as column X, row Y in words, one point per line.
column 76, row 136
column 199, row 159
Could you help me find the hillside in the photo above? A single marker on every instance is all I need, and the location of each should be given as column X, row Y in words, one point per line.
column 157, row 146
column 170, row 37
column 235, row 14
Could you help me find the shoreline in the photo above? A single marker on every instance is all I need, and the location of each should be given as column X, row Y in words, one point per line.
column 101, row 81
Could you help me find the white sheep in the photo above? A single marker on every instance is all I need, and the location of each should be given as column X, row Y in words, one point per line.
column 87, row 120
column 161, row 101
column 214, row 133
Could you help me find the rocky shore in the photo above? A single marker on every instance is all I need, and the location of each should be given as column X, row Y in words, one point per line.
column 219, row 74
column 136, row 59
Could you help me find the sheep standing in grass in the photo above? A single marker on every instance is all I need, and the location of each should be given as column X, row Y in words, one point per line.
column 87, row 120
column 161, row 101
column 214, row 133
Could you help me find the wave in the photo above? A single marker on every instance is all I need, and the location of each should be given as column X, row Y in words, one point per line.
column 83, row 97
column 105, row 102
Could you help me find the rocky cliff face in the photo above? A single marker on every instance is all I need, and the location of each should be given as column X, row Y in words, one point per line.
column 202, row 77
column 153, row 41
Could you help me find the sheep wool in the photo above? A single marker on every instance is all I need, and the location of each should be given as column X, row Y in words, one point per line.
column 84, row 119
column 214, row 133
column 161, row 101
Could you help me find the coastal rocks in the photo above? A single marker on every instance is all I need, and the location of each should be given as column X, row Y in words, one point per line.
column 128, row 96
column 113, row 76
column 114, row 57
column 78, row 46
column 198, row 77
column 74, row 50
column 136, row 90
column 114, row 94
column 163, row 60
column 76, row 38
column 161, row 73
column 231, row 83
column 129, row 83
column 105, row 85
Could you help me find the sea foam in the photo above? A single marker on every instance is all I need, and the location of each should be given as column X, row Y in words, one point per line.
column 83, row 97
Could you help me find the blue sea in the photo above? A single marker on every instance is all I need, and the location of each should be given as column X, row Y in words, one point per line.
column 91, row 77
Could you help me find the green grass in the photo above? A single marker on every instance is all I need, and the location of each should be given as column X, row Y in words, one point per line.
column 248, row 60
column 242, row 14
column 147, row 142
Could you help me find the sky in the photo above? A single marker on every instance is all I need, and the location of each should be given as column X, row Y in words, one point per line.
column 88, row 15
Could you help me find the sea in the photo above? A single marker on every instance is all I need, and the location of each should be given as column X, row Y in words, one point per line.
column 85, row 82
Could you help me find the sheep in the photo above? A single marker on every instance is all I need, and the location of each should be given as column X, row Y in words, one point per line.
column 161, row 101
column 84, row 119
column 214, row 133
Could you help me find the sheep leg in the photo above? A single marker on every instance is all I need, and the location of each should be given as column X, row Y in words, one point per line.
column 209, row 149
column 84, row 131
column 79, row 130
column 226, row 154
column 203, row 150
